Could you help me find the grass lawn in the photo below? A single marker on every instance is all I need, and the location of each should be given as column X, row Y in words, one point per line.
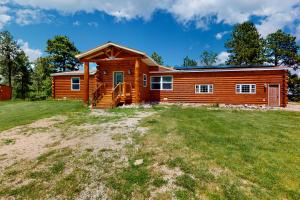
column 14, row 113
column 187, row 153
column 228, row 154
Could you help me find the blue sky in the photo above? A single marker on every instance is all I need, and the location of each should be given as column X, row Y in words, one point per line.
column 173, row 28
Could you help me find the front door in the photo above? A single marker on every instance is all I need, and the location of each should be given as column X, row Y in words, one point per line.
column 274, row 95
column 118, row 78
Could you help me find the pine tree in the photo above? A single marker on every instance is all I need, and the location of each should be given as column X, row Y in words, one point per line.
column 8, row 53
column 22, row 77
column 62, row 54
column 281, row 49
column 246, row 47
column 157, row 58
column 208, row 58
column 187, row 62
column 41, row 80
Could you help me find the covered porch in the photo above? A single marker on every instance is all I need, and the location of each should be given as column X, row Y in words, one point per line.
column 119, row 76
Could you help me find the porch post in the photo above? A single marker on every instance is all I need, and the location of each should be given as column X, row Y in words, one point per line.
column 86, row 82
column 137, row 80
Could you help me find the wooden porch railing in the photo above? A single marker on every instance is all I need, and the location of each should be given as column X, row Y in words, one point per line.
column 98, row 93
column 122, row 91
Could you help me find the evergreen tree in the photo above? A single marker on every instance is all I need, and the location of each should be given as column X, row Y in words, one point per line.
column 208, row 58
column 41, row 80
column 62, row 54
column 8, row 53
column 22, row 77
column 246, row 47
column 187, row 62
column 294, row 87
column 281, row 49
column 157, row 58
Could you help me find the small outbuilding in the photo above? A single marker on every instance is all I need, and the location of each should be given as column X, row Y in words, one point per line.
column 5, row 92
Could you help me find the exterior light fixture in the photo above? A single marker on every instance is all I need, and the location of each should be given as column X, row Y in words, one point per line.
column 129, row 72
column 104, row 72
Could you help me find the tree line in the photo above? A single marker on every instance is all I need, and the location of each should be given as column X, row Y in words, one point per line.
column 246, row 47
column 32, row 79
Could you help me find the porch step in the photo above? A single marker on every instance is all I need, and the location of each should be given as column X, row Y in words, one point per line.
column 105, row 102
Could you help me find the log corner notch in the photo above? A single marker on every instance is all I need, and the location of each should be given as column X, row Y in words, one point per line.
column 137, row 80
column 86, row 82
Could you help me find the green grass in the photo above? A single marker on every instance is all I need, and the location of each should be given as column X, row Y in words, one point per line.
column 232, row 154
column 14, row 113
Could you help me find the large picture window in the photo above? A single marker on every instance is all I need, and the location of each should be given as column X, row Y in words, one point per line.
column 204, row 89
column 161, row 82
column 245, row 88
column 75, row 84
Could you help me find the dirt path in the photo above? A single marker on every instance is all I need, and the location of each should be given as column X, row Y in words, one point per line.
column 29, row 141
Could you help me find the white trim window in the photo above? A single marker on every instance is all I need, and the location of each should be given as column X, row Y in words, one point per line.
column 161, row 83
column 204, row 89
column 75, row 84
column 145, row 80
column 245, row 88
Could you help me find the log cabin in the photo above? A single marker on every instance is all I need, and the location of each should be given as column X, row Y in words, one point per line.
column 124, row 76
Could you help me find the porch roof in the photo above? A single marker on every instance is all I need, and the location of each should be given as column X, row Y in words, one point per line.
column 105, row 52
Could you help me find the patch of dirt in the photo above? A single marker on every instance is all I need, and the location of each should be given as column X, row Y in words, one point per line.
column 29, row 141
column 169, row 175
column 102, row 138
column 38, row 137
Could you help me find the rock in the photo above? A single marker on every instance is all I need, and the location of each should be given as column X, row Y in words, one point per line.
column 138, row 162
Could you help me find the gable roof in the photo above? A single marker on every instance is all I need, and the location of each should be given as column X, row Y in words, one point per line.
column 146, row 59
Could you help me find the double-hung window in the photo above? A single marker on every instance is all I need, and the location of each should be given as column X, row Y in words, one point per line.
column 75, row 84
column 204, row 89
column 161, row 82
column 246, row 88
column 145, row 80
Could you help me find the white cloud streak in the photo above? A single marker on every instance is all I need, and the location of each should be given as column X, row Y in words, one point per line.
column 4, row 17
column 32, row 54
column 220, row 35
column 273, row 14
column 222, row 57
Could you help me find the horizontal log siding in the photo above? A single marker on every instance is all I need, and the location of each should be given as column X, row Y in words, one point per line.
column 5, row 92
column 224, row 87
column 61, row 86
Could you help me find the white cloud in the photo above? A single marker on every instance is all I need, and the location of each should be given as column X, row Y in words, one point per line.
column 4, row 17
column 222, row 57
column 28, row 16
column 76, row 23
column 94, row 24
column 274, row 14
column 220, row 35
column 33, row 54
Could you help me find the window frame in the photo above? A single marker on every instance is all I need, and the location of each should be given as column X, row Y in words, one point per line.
column 145, row 80
column 161, row 82
column 210, row 88
column 75, row 83
column 240, row 85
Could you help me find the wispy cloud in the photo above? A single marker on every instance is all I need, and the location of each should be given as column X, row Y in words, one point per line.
column 4, row 17
column 222, row 57
column 76, row 23
column 202, row 13
column 220, row 35
column 33, row 54
column 94, row 24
